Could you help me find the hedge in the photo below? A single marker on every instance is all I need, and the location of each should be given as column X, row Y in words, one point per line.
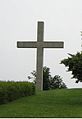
column 10, row 91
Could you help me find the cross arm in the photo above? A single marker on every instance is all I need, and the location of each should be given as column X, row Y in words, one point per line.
column 53, row 44
column 25, row 44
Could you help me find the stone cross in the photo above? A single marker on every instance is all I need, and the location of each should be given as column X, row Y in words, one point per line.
column 40, row 45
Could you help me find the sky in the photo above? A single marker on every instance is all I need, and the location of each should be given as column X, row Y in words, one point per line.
column 18, row 22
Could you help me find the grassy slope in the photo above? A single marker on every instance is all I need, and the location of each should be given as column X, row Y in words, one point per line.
column 55, row 103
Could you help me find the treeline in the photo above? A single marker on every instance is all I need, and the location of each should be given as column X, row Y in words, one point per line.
column 10, row 91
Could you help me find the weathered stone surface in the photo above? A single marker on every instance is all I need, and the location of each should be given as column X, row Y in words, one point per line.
column 40, row 45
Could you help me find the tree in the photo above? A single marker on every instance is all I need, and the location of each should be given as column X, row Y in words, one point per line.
column 56, row 82
column 46, row 78
column 49, row 82
column 74, row 64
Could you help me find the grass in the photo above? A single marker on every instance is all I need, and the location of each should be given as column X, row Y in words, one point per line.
column 53, row 103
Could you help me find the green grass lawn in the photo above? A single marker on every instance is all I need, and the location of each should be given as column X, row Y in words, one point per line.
column 53, row 103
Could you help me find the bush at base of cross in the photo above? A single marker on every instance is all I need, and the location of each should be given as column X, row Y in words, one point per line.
column 49, row 82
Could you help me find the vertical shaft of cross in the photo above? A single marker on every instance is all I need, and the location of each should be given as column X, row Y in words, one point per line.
column 39, row 68
column 39, row 77
column 40, row 32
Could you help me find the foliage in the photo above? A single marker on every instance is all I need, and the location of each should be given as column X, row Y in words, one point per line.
column 12, row 90
column 74, row 64
column 49, row 82
column 46, row 78
column 56, row 82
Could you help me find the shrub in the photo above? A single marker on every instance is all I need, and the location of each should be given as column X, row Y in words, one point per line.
column 10, row 91
column 49, row 82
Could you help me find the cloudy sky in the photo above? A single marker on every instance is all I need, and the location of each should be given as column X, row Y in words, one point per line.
column 18, row 22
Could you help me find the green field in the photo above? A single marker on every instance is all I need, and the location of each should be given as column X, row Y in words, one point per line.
column 53, row 103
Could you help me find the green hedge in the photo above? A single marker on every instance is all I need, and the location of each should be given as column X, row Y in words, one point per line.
column 10, row 91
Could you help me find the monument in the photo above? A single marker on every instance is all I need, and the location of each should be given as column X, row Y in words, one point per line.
column 40, row 45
